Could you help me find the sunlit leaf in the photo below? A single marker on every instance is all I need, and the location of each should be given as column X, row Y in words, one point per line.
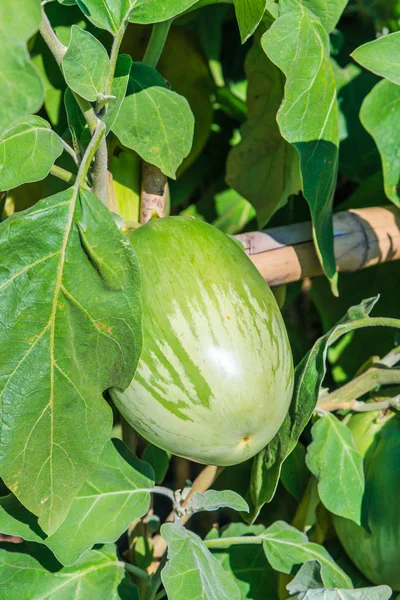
column 379, row 114
column 192, row 571
column 213, row 500
column 264, row 168
column 328, row 11
column 335, row 461
column 308, row 117
column 20, row 84
column 62, row 346
column 86, row 64
column 28, row 149
column 249, row 15
column 148, row 101
column 380, row 55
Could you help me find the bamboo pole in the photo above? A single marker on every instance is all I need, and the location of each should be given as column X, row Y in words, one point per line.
column 362, row 238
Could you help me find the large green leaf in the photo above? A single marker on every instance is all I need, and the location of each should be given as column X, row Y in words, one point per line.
column 380, row 56
column 154, row 121
column 69, row 305
column 20, row 84
column 308, row 117
column 328, row 11
column 29, row 571
column 246, row 564
column 249, row 15
column 119, row 486
column 309, row 376
column 335, row 461
column 264, row 168
column 86, row 65
column 28, row 149
column 380, row 115
column 285, row 546
column 191, row 570
column 113, row 14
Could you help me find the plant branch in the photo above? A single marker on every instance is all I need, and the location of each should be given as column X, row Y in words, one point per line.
column 346, row 396
column 62, row 174
column 48, row 34
column 155, row 580
column 391, row 403
column 99, row 172
column 114, row 56
column 91, row 150
column 201, row 484
column 156, row 43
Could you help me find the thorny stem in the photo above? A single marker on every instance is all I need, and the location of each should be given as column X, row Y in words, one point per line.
column 56, row 47
column 99, row 172
column 156, row 43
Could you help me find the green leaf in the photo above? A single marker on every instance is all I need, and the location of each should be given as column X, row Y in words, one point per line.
column 191, row 570
column 86, row 64
column 328, row 11
column 380, row 114
column 308, row 117
column 335, row 461
column 27, row 569
column 295, row 474
column 264, row 168
column 285, row 546
column 148, row 100
column 119, row 486
column 246, row 564
column 249, row 15
column 308, row 585
column 380, row 55
column 119, row 86
column 212, row 500
column 309, row 375
column 112, row 14
column 20, row 84
column 28, row 149
column 154, row 11
column 158, row 459
column 234, row 212
column 62, row 346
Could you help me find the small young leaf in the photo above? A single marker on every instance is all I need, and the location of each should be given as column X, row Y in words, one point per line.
column 20, row 84
column 379, row 56
column 285, row 546
column 191, row 570
column 264, row 168
column 153, row 11
column 308, row 577
column 309, row 375
column 148, row 100
column 249, row 15
column 380, row 115
column 62, row 346
column 119, row 85
column 28, row 149
column 28, row 568
column 213, row 500
column 308, row 117
column 335, row 461
column 86, row 64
